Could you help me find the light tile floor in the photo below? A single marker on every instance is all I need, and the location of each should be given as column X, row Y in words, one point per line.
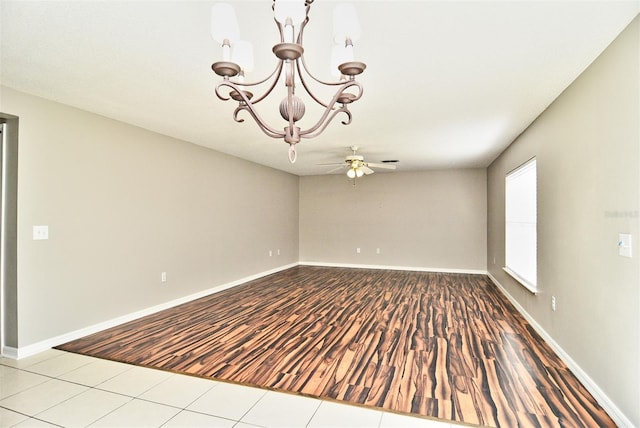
column 57, row 388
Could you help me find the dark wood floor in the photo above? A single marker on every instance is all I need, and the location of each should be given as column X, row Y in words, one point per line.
column 439, row 345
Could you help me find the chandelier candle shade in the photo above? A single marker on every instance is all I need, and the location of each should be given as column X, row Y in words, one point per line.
column 291, row 18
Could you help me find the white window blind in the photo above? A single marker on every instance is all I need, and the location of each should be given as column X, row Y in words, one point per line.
column 521, row 225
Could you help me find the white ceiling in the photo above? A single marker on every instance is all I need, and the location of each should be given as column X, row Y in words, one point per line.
column 448, row 83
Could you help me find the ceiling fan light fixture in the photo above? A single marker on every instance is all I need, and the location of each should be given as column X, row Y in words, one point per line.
column 355, row 172
column 291, row 18
column 356, row 166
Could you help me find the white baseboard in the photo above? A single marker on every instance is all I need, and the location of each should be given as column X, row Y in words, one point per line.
column 407, row 268
column 590, row 385
column 10, row 352
column 607, row 404
column 26, row 351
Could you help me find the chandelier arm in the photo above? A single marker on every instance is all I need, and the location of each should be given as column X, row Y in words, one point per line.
column 277, row 72
column 348, row 113
column 309, row 133
column 235, row 113
column 322, row 124
column 303, row 24
column 260, row 82
column 348, row 85
column 278, row 24
column 304, row 63
column 304, row 83
column 322, row 82
column 246, row 104
column 219, row 94
column 269, row 131
column 315, row 98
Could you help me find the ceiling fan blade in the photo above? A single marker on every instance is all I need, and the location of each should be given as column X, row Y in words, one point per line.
column 381, row 165
column 335, row 169
column 331, row 164
column 366, row 169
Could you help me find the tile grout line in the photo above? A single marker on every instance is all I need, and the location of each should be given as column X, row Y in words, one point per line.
column 89, row 387
column 314, row 413
column 97, row 388
column 138, row 397
column 249, row 409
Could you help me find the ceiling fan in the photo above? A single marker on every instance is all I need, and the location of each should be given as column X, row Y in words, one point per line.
column 357, row 167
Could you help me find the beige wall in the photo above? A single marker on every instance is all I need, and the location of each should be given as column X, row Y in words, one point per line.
column 430, row 219
column 124, row 204
column 587, row 145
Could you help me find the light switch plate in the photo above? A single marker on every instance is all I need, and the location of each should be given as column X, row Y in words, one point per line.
column 40, row 232
column 624, row 244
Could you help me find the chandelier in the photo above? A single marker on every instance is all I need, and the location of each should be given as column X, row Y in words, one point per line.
column 291, row 18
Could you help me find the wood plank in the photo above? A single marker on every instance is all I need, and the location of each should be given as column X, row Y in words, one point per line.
column 448, row 346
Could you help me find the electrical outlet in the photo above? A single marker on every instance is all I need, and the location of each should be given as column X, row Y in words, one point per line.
column 270, row 253
column 40, row 232
column 278, row 252
column 553, row 303
column 358, row 250
column 377, row 250
column 163, row 277
column 624, row 244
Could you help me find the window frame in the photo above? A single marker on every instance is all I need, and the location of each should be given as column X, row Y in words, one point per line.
column 519, row 222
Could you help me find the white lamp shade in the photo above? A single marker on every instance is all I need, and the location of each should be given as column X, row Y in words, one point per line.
column 293, row 9
column 224, row 24
column 345, row 23
column 359, row 173
column 351, row 173
column 242, row 54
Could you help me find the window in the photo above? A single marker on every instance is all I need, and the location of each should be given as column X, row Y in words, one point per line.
column 521, row 225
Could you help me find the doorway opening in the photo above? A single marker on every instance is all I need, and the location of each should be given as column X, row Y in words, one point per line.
column 8, row 235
